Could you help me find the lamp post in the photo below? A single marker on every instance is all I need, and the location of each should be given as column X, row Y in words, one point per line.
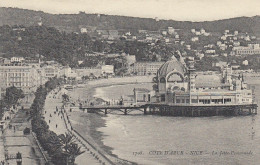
column 19, row 158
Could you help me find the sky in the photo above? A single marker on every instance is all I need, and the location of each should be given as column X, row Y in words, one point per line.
column 181, row 10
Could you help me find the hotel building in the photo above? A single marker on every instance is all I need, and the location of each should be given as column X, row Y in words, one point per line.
column 146, row 68
column 22, row 77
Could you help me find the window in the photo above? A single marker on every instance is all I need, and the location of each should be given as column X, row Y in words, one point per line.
column 162, row 80
column 178, row 101
column 187, row 100
column 163, row 97
column 194, row 101
column 227, row 100
column 204, row 101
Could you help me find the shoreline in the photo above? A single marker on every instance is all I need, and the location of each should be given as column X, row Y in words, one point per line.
column 87, row 124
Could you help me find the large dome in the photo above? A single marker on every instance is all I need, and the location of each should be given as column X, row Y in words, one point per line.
column 169, row 66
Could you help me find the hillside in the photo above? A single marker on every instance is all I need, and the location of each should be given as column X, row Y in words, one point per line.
column 71, row 22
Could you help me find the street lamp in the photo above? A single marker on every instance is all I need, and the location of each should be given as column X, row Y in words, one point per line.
column 19, row 158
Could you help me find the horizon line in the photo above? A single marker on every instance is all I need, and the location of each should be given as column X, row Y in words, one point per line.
column 159, row 19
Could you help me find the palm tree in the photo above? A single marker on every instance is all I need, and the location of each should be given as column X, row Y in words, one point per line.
column 73, row 150
column 66, row 139
column 67, row 144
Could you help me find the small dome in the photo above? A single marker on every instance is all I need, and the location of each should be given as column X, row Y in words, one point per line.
column 169, row 66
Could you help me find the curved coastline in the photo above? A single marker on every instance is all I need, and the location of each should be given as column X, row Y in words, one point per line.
column 87, row 124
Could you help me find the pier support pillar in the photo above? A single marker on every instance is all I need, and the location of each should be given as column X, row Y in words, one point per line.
column 250, row 111
column 105, row 111
column 145, row 110
column 192, row 113
column 161, row 111
column 217, row 112
column 236, row 112
column 125, row 112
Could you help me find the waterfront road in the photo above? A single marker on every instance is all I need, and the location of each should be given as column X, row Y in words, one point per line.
column 56, row 123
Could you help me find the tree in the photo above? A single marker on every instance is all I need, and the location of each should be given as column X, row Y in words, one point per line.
column 73, row 150
column 65, row 97
column 12, row 96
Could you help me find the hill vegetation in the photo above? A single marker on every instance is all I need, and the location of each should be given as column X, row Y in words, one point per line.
column 71, row 22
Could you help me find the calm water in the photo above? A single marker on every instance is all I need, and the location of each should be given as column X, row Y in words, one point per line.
column 154, row 139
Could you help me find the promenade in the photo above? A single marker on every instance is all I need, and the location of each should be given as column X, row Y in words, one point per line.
column 55, row 120
column 14, row 140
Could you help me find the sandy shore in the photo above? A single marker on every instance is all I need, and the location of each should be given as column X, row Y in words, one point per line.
column 87, row 124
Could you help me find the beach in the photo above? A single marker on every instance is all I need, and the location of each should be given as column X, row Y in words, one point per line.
column 87, row 124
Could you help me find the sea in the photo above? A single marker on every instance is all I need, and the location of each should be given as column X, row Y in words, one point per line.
column 162, row 140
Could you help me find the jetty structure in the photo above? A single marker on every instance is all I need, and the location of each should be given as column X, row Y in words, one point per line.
column 180, row 91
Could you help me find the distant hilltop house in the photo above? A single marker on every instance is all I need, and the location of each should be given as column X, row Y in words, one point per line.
column 171, row 30
column 200, row 32
column 210, row 51
column 87, row 29
column 220, row 64
column 194, row 39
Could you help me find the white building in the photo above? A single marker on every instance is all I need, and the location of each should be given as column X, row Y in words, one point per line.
column 226, row 31
column 171, row 30
column 197, row 33
column 247, row 38
column 249, row 50
column 164, row 33
column 107, row 69
column 206, row 34
column 188, row 47
column 17, row 59
column 193, row 30
column 236, row 43
column 223, row 38
column 83, row 30
column 202, row 31
column 200, row 55
column 194, row 39
column 210, row 51
column 130, row 59
column 245, row 62
column 88, row 71
column 145, row 68
column 26, row 78
column 50, row 71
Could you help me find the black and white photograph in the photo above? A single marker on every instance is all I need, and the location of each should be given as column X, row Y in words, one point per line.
column 129, row 82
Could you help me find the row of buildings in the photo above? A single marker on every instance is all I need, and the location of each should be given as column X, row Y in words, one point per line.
column 251, row 49
column 28, row 76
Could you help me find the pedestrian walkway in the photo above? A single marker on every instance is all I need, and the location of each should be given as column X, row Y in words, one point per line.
column 54, row 118
column 15, row 141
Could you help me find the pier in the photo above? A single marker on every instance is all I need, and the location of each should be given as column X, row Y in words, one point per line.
column 177, row 110
column 106, row 109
